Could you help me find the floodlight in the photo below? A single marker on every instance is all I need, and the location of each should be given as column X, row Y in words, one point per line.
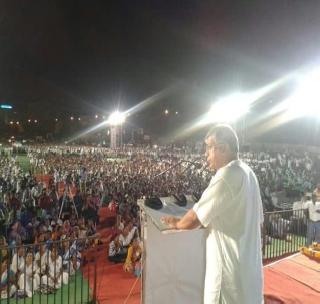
column 305, row 101
column 116, row 118
column 230, row 108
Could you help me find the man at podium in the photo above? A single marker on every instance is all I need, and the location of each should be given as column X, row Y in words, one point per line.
column 230, row 209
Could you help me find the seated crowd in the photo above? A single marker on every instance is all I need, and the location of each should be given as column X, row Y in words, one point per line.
column 58, row 215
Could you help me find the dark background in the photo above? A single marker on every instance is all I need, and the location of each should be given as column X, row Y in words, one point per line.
column 62, row 58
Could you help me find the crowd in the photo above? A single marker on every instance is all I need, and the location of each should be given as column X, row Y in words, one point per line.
column 59, row 214
column 292, row 173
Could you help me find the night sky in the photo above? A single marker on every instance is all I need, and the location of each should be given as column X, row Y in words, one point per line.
column 86, row 57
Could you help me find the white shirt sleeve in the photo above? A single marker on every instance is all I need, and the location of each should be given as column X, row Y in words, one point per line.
column 213, row 202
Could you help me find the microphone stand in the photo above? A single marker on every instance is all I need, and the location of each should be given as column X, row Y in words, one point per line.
column 174, row 166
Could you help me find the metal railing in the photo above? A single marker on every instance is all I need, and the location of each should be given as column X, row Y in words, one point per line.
column 51, row 272
column 284, row 232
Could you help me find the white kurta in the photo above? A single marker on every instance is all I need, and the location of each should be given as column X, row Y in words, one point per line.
column 29, row 280
column 231, row 210
column 42, row 261
column 17, row 263
column 55, row 272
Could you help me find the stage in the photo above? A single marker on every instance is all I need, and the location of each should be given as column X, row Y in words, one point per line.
column 295, row 279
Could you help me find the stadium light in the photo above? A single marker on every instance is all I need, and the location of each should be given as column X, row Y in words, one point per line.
column 116, row 118
column 305, row 101
column 166, row 112
column 230, row 108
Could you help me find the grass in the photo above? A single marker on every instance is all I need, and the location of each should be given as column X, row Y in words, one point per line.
column 280, row 247
column 71, row 293
column 24, row 162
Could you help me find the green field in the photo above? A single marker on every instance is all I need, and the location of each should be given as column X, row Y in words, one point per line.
column 77, row 291
column 279, row 247
column 24, row 162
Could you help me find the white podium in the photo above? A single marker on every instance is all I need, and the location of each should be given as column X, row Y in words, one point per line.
column 173, row 261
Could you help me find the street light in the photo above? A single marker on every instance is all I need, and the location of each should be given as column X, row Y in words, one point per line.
column 6, row 106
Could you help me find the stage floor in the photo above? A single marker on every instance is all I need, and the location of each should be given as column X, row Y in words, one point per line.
column 295, row 279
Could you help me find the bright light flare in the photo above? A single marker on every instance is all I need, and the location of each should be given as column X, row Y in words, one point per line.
column 230, row 108
column 305, row 101
column 116, row 118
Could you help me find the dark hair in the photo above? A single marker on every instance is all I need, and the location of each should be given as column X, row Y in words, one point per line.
column 226, row 135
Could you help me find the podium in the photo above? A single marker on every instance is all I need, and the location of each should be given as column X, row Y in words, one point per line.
column 173, row 260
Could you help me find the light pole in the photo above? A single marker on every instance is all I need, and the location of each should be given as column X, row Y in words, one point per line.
column 116, row 121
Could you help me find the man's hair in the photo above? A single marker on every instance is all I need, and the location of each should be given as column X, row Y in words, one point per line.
column 224, row 134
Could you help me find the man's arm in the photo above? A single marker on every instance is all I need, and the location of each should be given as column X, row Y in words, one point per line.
column 188, row 221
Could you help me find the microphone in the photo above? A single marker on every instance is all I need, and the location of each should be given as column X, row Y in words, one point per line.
column 154, row 202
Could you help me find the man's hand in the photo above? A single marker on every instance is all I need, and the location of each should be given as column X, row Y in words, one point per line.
column 188, row 221
column 171, row 221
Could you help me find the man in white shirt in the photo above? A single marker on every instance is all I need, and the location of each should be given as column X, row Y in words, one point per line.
column 18, row 261
column 231, row 211
column 55, row 275
column 313, row 231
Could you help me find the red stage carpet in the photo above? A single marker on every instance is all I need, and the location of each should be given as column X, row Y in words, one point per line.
column 292, row 280
column 113, row 284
